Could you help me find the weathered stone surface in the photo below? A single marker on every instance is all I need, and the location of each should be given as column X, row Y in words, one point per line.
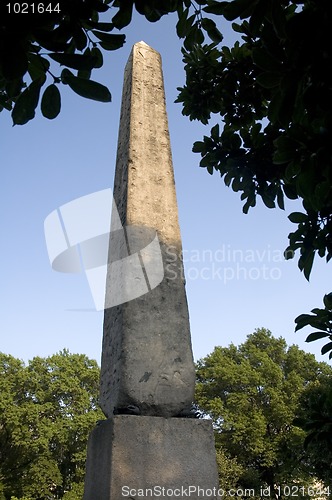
column 136, row 457
column 146, row 355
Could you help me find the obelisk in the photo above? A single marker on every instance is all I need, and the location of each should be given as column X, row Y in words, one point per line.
column 147, row 447
column 147, row 357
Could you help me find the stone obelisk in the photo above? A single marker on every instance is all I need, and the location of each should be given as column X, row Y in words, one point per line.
column 146, row 356
column 147, row 370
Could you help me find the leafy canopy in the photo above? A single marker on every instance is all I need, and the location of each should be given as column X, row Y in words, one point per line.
column 47, row 410
column 271, row 96
column 315, row 417
column 321, row 319
column 69, row 34
column 72, row 34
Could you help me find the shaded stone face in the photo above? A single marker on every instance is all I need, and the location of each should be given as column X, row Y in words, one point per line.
column 146, row 357
column 133, row 456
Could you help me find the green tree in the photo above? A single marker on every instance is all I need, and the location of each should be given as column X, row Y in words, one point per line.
column 252, row 393
column 315, row 417
column 47, row 410
column 230, row 471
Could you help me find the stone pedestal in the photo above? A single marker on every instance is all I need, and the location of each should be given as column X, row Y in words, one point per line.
column 151, row 457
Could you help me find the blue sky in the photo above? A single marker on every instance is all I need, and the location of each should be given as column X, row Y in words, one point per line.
column 236, row 278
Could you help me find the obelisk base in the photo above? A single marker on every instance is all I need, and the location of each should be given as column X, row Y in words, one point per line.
column 139, row 457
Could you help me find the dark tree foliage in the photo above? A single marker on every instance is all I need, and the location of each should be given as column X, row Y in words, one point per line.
column 273, row 96
column 70, row 34
column 321, row 319
column 35, row 35
column 274, row 100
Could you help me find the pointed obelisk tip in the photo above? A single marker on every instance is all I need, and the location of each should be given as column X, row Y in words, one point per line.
column 143, row 45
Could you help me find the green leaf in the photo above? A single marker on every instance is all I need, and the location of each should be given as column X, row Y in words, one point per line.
column 14, row 61
column 328, row 301
column 75, row 61
column 210, row 27
column 5, row 103
column 314, row 321
column 38, row 66
column 322, row 192
column 302, row 321
column 251, row 202
column 306, row 261
column 24, row 109
column 285, row 151
column 99, row 6
column 86, row 88
column 282, row 157
column 289, row 253
column 198, row 147
column 151, row 13
column 238, row 8
column 316, row 336
column 290, row 191
column 123, row 17
column 100, row 26
column 193, row 37
column 236, row 184
column 110, row 42
column 267, row 200
column 320, row 312
column 326, row 348
column 97, row 54
column 182, row 26
column 215, row 7
column 280, row 199
column 86, row 74
column 293, row 168
column 265, row 61
column 80, row 38
column 51, row 102
column 215, row 133
column 14, row 87
column 279, row 20
column 44, row 39
column 298, row 217
column 308, row 439
column 305, row 183
column 268, row 80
